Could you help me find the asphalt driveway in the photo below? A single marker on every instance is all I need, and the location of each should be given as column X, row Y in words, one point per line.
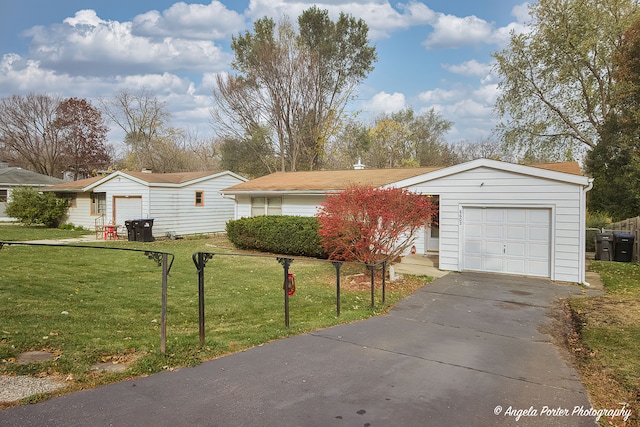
column 466, row 350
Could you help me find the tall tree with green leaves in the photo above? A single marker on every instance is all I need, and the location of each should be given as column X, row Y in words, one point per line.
column 615, row 162
column 406, row 139
column 557, row 83
column 294, row 84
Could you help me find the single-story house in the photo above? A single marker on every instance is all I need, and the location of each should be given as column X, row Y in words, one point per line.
column 12, row 177
column 179, row 203
column 493, row 216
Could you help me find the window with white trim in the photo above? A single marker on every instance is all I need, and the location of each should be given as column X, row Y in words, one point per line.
column 98, row 203
column 266, row 206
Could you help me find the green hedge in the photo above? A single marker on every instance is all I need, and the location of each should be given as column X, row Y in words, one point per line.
column 278, row 234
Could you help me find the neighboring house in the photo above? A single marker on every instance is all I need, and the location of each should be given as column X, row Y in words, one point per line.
column 11, row 178
column 494, row 216
column 179, row 203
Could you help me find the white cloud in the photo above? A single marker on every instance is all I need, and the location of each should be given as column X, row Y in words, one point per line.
column 386, row 103
column 454, row 32
column 469, row 68
column 92, row 46
column 438, row 96
column 196, row 21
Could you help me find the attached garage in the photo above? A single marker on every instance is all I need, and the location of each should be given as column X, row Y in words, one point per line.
column 508, row 218
column 507, row 240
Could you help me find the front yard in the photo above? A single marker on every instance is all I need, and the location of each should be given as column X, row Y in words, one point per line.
column 88, row 306
column 607, row 339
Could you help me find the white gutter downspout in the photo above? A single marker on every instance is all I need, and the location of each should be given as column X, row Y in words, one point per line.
column 583, row 234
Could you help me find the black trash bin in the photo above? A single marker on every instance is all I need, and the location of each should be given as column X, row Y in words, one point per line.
column 623, row 247
column 131, row 231
column 144, row 230
column 604, row 247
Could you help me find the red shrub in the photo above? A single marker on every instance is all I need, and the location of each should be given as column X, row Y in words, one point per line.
column 370, row 225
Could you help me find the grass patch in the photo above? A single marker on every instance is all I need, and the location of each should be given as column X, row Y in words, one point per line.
column 15, row 232
column 608, row 342
column 90, row 306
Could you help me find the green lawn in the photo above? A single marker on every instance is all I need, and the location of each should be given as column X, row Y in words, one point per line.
column 90, row 305
column 15, row 232
column 609, row 333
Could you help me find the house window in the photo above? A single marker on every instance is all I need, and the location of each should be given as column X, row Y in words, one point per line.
column 98, row 203
column 3, row 196
column 266, row 206
column 199, row 198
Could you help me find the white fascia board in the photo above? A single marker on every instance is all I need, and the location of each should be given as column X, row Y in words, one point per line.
column 493, row 164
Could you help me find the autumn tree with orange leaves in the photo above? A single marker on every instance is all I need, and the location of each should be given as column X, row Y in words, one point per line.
column 371, row 225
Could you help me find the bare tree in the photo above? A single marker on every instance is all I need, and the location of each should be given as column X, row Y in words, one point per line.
column 28, row 135
column 144, row 120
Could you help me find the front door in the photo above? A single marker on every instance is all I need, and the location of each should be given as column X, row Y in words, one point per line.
column 432, row 232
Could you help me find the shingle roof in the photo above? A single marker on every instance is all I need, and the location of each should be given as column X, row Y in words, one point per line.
column 11, row 176
column 566, row 167
column 339, row 180
column 328, row 180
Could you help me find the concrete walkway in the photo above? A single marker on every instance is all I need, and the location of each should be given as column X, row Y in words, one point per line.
column 466, row 350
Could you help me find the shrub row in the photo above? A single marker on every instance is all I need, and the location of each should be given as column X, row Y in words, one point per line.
column 281, row 234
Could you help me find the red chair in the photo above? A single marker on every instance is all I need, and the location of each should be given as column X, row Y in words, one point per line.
column 110, row 232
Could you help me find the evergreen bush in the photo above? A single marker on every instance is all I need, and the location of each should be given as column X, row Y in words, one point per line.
column 278, row 234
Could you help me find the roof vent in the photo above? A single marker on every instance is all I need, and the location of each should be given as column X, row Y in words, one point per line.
column 359, row 165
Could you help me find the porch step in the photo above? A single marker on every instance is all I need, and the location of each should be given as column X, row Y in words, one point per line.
column 427, row 260
column 419, row 265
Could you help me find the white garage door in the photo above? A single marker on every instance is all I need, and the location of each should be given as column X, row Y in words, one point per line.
column 127, row 208
column 507, row 240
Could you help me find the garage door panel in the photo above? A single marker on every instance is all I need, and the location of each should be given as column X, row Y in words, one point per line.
column 494, row 216
column 516, row 232
column 493, row 248
column 515, row 266
column 516, row 216
column 539, row 234
column 473, row 215
column 493, row 264
column 538, row 268
column 507, row 240
column 515, row 249
column 474, row 247
column 475, row 262
column 494, row 232
column 474, row 230
column 539, row 216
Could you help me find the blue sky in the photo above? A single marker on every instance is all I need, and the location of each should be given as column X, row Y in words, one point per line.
column 431, row 53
